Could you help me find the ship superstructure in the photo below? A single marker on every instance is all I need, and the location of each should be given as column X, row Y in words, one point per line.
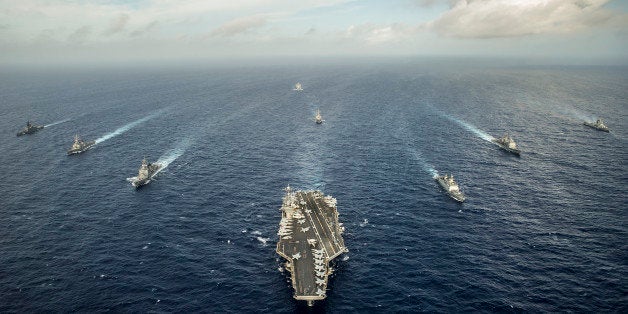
column 80, row 146
column 508, row 144
column 310, row 236
column 598, row 125
column 30, row 129
column 450, row 186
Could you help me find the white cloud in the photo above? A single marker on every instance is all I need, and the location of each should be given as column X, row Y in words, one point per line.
column 511, row 18
column 117, row 24
column 239, row 25
column 373, row 34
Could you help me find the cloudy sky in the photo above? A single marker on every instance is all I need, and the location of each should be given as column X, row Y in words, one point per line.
column 36, row 31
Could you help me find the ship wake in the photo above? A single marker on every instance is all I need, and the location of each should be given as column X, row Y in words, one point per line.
column 172, row 155
column 55, row 123
column 310, row 166
column 481, row 134
column 127, row 127
column 424, row 164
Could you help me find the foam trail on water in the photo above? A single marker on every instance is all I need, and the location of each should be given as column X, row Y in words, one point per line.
column 55, row 123
column 426, row 166
column 126, row 127
column 483, row 135
column 581, row 116
column 173, row 154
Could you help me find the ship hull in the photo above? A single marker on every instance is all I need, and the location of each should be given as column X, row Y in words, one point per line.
column 591, row 125
column 459, row 197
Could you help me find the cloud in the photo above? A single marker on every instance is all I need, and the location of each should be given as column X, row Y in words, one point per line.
column 512, row 18
column 118, row 24
column 80, row 35
column 143, row 30
column 374, row 34
column 239, row 25
column 310, row 31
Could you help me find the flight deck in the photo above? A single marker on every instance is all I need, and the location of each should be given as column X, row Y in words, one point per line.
column 310, row 236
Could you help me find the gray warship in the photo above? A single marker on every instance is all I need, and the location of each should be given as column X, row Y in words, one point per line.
column 318, row 118
column 80, row 146
column 145, row 174
column 310, row 236
column 598, row 125
column 30, row 129
column 450, row 186
column 507, row 143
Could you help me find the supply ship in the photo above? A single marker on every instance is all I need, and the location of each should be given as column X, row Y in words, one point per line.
column 310, row 236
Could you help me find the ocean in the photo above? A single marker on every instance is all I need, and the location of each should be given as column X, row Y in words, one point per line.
column 544, row 232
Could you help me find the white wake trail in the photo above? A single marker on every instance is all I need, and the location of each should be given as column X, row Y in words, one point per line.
column 172, row 155
column 55, row 123
column 483, row 135
column 126, row 127
column 426, row 166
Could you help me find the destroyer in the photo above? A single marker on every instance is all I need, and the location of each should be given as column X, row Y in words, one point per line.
column 30, row 129
column 310, row 236
column 80, row 146
column 145, row 174
column 598, row 125
column 318, row 118
column 451, row 187
column 508, row 144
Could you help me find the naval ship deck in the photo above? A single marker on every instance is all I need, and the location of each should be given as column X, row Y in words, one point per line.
column 309, row 237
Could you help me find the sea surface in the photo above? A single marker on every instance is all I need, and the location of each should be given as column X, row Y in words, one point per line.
column 544, row 232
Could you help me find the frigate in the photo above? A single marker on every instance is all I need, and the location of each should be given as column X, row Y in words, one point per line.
column 29, row 129
column 508, row 144
column 80, row 146
column 450, row 186
column 598, row 125
column 145, row 174
column 310, row 236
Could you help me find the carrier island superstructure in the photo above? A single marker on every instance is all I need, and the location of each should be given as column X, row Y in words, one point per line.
column 310, row 236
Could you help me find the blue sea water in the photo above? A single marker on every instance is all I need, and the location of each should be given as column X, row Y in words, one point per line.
column 545, row 232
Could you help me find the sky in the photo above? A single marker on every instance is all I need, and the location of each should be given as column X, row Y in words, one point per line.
column 73, row 31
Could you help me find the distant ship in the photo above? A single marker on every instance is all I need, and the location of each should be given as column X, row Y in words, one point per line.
column 318, row 117
column 508, row 144
column 145, row 174
column 30, row 129
column 598, row 125
column 80, row 146
column 451, row 187
column 298, row 87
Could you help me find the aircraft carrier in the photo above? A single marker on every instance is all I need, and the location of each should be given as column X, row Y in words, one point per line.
column 310, row 236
